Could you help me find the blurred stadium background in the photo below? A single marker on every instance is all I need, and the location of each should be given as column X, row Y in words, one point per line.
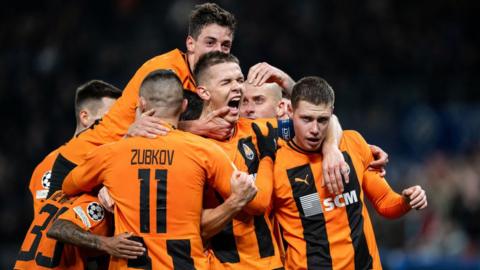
column 405, row 75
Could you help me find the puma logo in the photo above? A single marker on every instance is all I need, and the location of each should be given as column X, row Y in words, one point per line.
column 302, row 180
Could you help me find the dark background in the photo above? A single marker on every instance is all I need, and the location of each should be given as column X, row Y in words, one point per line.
column 405, row 75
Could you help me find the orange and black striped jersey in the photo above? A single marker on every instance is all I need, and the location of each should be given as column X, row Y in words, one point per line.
column 325, row 231
column 157, row 185
column 114, row 125
column 247, row 242
column 40, row 181
column 40, row 252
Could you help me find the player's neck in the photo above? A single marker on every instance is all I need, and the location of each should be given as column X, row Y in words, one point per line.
column 172, row 122
column 78, row 130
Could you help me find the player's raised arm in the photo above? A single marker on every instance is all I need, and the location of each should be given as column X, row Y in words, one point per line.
column 265, row 73
column 267, row 147
column 386, row 202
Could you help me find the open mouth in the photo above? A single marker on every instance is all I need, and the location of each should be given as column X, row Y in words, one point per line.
column 313, row 140
column 234, row 103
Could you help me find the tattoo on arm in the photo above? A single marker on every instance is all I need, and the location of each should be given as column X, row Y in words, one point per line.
column 67, row 232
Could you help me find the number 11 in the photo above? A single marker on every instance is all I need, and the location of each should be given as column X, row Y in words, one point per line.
column 161, row 179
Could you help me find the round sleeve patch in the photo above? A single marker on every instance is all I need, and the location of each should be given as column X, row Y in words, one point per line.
column 46, row 179
column 95, row 211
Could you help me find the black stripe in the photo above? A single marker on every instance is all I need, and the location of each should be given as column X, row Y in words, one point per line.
column 264, row 238
column 144, row 177
column 363, row 259
column 180, row 251
column 141, row 262
column 61, row 167
column 223, row 243
column 161, row 176
column 314, row 228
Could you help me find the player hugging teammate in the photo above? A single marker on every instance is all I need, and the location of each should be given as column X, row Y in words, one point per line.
column 186, row 171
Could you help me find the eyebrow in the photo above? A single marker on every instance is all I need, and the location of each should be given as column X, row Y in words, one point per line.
column 209, row 37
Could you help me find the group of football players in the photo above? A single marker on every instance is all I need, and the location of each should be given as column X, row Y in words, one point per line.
column 196, row 166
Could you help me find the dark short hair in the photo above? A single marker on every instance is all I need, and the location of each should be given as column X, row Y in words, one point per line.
column 94, row 90
column 313, row 90
column 211, row 59
column 162, row 88
column 194, row 107
column 209, row 13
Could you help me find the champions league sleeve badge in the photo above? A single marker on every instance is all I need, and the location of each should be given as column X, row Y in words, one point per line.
column 95, row 211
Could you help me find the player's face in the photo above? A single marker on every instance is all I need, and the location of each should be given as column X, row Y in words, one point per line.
column 258, row 102
column 212, row 37
column 226, row 86
column 310, row 123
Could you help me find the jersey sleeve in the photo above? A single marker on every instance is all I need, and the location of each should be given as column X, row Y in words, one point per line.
column 39, row 181
column 264, row 177
column 264, row 183
column 386, row 202
column 219, row 170
column 121, row 115
column 114, row 125
column 89, row 215
column 90, row 173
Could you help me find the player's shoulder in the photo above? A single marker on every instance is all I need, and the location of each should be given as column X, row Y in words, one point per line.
column 170, row 59
column 49, row 159
column 285, row 153
column 53, row 155
column 194, row 140
column 352, row 138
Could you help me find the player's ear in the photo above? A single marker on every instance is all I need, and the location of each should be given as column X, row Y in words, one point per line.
column 190, row 42
column 142, row 104
column 290, row 110
column 280, row 109
column 184, row 105
column 84, row 116
column 203, row 93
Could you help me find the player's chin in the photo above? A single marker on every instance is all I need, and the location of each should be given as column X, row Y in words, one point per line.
column 232, row 117
column 313, row 145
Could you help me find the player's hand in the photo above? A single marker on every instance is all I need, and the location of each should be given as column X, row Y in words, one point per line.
column 105, row 200
column 267, row 145
column 416, row 197
column 263, row 72
column 148, row 126
column 121, row 247
column 215, row 126
column 380, row 160
column 333, row 168
column 243, row 187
